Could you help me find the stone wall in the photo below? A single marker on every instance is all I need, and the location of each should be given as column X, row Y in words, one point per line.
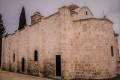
column 116, row 47
column 93, row 41
column 83, row 13
column 84, row 46
column 43, row 37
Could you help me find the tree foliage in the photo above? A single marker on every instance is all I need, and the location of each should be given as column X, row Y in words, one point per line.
column 2, row 28
column 22, row 19
column 2, row 31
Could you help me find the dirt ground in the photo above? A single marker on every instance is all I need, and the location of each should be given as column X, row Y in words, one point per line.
column 5, row 75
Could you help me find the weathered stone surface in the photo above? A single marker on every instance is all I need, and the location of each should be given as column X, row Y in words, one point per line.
column 84, row 43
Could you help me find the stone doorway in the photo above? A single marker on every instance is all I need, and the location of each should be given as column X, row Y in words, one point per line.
column 58, row 65
column 23, row 65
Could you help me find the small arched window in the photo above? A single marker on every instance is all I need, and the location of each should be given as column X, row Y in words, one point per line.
column 35, row 55
column 112, row 53
column 13, row 57
column 86, row 13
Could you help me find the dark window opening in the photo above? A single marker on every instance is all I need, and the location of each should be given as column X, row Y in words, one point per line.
column 36, row 55
column 58, row 65
column 13, row 57
column 86, row 13
column 23, row 65
column 112, row 53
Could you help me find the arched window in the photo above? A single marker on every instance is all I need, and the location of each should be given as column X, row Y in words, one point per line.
column 35, row 55
column 13, row 57
column 112, row 53
column 86, row 13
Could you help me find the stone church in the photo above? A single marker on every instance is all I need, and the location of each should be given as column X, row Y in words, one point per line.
column 69, row 44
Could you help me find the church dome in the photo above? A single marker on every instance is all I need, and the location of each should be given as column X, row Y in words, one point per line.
column 37, row 13
column 73, row 6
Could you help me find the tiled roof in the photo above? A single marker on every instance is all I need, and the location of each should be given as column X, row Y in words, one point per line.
column 73, row 6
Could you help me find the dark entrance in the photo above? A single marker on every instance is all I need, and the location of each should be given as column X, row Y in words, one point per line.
column 23, row 65
column 58, row 65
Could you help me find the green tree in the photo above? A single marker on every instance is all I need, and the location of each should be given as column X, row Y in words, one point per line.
column 2, row 31
column 22, row 19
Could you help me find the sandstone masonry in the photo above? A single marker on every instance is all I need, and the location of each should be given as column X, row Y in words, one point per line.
column 69, row 44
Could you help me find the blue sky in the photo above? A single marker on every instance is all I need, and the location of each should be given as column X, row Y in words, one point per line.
column 10, row 9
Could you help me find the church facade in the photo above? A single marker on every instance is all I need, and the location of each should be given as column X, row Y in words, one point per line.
column 69, row 44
